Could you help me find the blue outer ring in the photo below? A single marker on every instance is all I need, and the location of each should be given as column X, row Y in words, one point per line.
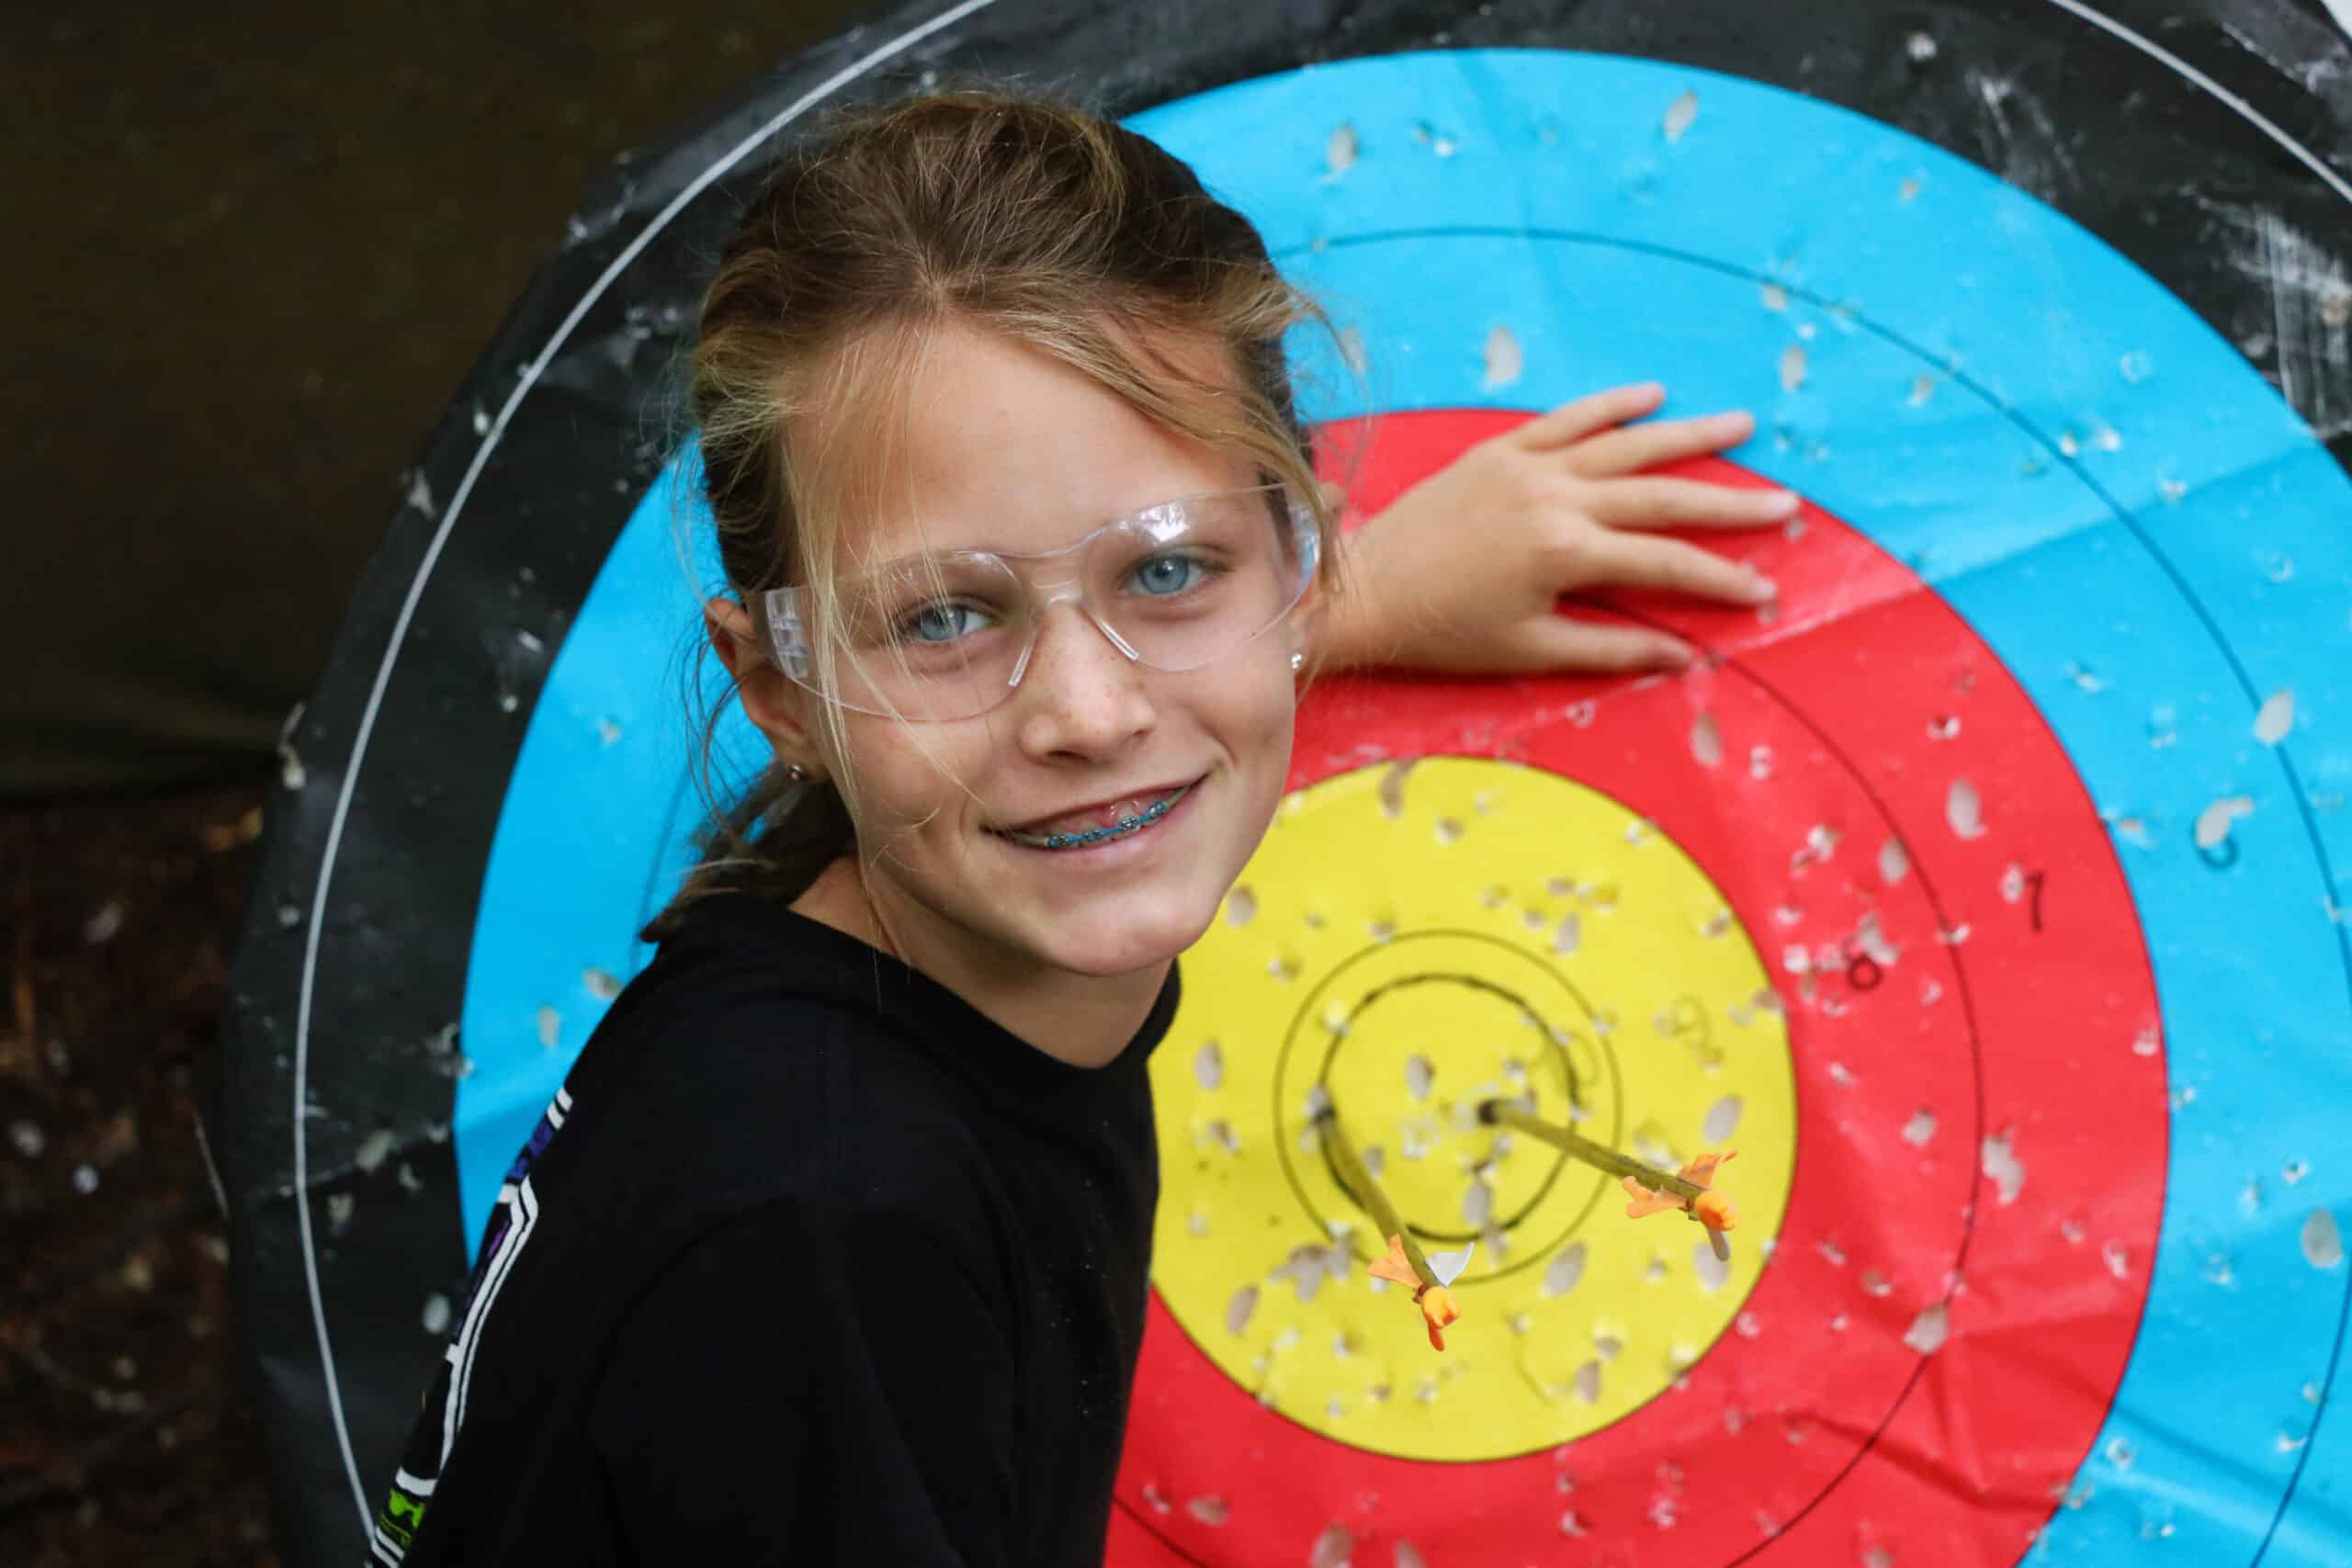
column 2194, row 568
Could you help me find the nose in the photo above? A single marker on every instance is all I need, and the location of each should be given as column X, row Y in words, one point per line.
column 1080, row 695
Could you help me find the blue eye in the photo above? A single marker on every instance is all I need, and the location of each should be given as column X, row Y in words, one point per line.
column 941, row 623
column 1164, row 575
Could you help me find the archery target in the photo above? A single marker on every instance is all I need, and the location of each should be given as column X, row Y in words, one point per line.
column 2021, row 455
column 1985, row 899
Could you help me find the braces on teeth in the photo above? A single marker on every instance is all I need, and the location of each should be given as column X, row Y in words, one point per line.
column 1118, row 830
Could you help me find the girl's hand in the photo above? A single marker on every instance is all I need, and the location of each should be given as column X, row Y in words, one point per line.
column 1465, row 570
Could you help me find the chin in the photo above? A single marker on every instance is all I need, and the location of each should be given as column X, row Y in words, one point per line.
column 1120, row 938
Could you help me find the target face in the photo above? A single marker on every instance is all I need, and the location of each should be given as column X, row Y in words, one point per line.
column 1915, row 805
column 1986, row 897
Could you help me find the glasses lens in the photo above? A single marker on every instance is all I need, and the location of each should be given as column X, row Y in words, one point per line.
column 1188, row 582
column 934, row 638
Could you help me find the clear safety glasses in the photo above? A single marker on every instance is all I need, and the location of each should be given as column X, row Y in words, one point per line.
column 948, row 636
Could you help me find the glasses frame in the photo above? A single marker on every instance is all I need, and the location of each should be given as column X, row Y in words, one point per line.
column 785, row 629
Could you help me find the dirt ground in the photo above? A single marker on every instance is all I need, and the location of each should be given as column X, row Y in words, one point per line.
column 122, row 1440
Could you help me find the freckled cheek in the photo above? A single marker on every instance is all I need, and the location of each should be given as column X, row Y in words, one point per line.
column 903, row 786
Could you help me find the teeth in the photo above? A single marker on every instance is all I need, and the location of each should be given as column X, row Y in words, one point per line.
column 1113, row 822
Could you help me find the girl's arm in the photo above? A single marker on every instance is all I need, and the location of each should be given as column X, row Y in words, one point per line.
column 1465, row 570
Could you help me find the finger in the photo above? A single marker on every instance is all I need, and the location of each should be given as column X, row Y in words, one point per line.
column 1558, row 642
column 1638, row 446
column 1574, row 421
column 1675, row 566
column 1652, row 501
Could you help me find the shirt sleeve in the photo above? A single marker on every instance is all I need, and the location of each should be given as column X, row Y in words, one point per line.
column 814, row 1389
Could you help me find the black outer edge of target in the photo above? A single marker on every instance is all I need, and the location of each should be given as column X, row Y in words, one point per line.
column 390, row 975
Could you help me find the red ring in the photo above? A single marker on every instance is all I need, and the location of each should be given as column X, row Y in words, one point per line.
column 1810, row 1440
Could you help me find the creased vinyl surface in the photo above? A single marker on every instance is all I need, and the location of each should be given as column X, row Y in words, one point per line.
column 2119, row 532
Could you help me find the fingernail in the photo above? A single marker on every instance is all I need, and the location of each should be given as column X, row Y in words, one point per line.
column 1678, row 655
column 1780, row 502
column 1763, row 588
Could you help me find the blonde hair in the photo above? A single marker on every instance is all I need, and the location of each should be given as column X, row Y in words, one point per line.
column 1046, row 225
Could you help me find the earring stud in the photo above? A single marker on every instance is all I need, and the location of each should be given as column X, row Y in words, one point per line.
column 796, row 773
column 1298, row 660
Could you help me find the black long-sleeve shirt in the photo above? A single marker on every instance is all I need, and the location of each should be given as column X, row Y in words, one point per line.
column 809, row 1263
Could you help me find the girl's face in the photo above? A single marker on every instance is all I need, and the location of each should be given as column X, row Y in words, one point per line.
column 1004, row 449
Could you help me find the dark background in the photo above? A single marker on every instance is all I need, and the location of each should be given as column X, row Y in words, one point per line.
column 254, row 249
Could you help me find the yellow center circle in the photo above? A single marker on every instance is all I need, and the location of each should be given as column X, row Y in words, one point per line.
column 1411, row 941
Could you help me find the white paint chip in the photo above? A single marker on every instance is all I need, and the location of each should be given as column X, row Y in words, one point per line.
column 1723, row 1120
column 1240, row 907
column 1565, row 939
column 1418, row 1076
column 1706, row 742
column 1893, row 861
column 2213, row 822
column 2322, row 1240
column 1562, row 1274
column 1339, row 153
column 1392, row 788
column 1679, row 115
column 2276, row 718
column 1335, row 1548
column 1504, row 360
column 601, row 984
column 1793, row 368
column 551, row 1028
column 1920, row 1130
column 2003, row 1167
column 1238, row 1310
column 1930, row 1329
column 437, row 1313
column 1963, row 810
column 1208, row 1066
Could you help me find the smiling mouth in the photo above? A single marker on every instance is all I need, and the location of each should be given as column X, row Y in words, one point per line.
column 1121, row 829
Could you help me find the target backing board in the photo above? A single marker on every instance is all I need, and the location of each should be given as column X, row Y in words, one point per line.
column 1984, row 892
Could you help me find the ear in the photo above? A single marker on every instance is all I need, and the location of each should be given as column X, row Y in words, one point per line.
column 781, row 710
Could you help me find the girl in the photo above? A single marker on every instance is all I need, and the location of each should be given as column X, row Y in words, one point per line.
column 834, row 1246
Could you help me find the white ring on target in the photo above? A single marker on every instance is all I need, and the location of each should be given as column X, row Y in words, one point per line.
column 529, row 379
column 2244, row 110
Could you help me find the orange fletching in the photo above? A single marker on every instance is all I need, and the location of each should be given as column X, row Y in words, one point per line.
column 1645, row 1201
column 1712, row 1208
column 1395, row 1268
